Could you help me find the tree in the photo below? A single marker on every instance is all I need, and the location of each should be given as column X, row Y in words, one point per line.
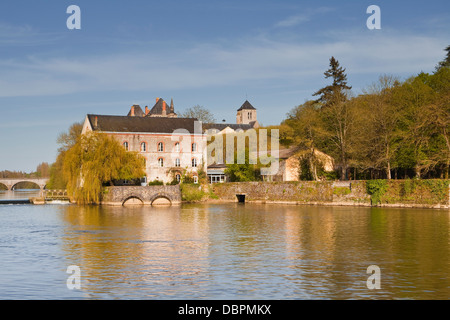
column 242, row 172
column 413, row 99
column 381, row 118
column 57, row 180
column 43, row 170
column 94, row 160
column 331, row 92
column 446, row 62
column 340, row 118
column 65, row 140
column 307, row 131
column 201, row 113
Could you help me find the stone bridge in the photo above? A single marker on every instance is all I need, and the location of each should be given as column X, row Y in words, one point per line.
column 137, row 195
column 11, row 183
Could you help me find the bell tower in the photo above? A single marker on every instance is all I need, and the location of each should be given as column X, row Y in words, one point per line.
column 246, row 113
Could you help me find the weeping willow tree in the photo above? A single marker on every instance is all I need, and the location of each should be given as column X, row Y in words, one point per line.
column 97, row 159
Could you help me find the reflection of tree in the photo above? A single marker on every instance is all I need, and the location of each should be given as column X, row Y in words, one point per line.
column 135, row 249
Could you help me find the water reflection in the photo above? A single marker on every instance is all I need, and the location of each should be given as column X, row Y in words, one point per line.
column 257, row 251
column 122, row 249
column 22, row 194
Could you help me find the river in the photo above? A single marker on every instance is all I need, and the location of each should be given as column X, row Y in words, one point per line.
column 223, row 251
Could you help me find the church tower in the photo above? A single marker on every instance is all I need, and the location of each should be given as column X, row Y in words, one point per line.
column 246, row 114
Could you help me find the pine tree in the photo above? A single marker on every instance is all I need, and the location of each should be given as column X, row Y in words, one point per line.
column 334, row 91
column 446, row 61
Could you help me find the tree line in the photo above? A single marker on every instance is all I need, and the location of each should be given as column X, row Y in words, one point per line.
column 393, row 129
column 42, row 171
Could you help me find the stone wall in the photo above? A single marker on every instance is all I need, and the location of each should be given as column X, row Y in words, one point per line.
column 291, row 191
column 399, row 193
column 147, row 195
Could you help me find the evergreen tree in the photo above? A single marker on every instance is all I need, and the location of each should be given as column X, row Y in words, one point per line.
column 334, row 91
column 446, row 61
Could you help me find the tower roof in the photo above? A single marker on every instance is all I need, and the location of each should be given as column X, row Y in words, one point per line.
column 246, row 106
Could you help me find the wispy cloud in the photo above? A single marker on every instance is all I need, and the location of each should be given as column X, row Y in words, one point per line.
column 24, row 35
column 207, row 65
column 300, row 18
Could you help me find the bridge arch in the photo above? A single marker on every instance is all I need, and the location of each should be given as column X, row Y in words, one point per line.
column 39, row 187
column 161, row 199
column 133, row 201
column 5, row 187
column 147, row 195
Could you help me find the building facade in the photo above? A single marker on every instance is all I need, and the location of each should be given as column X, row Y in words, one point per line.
column 172, row 146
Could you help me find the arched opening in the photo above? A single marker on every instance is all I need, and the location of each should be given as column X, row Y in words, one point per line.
column 3, row 187
column 133, row 201
column 161, row 201
column 25, row 185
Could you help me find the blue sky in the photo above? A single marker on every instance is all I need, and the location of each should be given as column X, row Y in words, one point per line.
column 213, row 53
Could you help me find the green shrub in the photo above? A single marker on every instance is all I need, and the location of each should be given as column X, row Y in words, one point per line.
column 191, row 192
column 376, row 189
column 156, row 183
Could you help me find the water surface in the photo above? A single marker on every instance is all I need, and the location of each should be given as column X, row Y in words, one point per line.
column 223, row 251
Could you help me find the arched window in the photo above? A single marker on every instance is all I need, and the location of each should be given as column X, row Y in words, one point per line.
column 177, row 162
column 177, row 147
column 194, row 162
column 143, row 147
column 178, row 177
column 125, row 145
column 160, row 162
column 195, row 179
column 160, row 147
column 194, row 147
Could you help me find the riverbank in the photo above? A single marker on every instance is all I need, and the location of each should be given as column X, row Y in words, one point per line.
column 381, row 193
column 433, row 194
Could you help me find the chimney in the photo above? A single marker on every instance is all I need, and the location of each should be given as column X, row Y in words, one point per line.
column 132, row 111
column 146, row 110
column 172, row 109
column 157, row 100
column 95, row 122
column 164, row 109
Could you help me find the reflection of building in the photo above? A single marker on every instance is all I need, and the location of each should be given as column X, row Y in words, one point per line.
column 169, row 144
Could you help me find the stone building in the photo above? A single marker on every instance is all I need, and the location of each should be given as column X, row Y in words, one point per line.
column 171, row 146
column 289, row 164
